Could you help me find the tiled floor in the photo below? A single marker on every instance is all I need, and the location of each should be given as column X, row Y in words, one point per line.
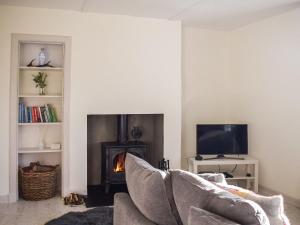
column 37, row 213
column 34, row 213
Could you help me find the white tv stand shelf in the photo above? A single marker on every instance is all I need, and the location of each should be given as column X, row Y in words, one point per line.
column 248, row 162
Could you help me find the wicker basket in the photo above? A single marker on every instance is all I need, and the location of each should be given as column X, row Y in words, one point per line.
column 38, row 182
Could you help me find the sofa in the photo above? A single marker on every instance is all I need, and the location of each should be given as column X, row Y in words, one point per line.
column 178, row 197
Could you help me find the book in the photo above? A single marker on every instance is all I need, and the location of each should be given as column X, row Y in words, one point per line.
column 53, row 114
column 33, row 115
column 47, row 119
column 26, row 116
column 48, row 113
column 43, row 114
column 20, row 113
column 29, row 115
column 23, row 112
column 40, row 114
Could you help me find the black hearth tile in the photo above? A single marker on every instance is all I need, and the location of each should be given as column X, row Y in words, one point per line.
column 97, row 197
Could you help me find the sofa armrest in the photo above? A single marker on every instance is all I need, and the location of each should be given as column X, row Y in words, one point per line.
column 199, row 216
column 126, row 213
column 214, row 177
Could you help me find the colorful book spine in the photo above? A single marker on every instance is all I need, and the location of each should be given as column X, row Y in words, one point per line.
column 40, row 115
column 33, row 115
column 54, row 117
column 20, row 113
column 38, row 118
column 48, row 113
column 43, row 114
column 36, row 114
column 26, row 116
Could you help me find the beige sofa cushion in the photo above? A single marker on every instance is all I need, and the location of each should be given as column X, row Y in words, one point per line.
column 148, row 190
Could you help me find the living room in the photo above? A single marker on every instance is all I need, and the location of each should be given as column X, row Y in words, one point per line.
column 193, row 62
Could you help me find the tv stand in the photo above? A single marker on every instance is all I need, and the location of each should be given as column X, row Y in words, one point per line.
column 223, row 157
column 250, row 167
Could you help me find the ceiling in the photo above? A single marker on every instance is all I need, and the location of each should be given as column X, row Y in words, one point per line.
column 212, row 14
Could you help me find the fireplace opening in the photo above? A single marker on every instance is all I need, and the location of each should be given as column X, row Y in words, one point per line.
column 119, row 163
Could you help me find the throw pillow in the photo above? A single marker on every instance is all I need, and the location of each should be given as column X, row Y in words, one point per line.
column 147, row 187
column 192, row 190
column 214, row 177
column 272, row 205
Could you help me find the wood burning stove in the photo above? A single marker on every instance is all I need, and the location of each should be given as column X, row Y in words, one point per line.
column 114, row 153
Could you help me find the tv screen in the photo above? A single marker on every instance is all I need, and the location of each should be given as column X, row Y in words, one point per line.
column 222, row 139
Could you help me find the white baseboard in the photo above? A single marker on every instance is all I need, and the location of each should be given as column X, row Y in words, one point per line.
column 4, row 198
column 287, row 199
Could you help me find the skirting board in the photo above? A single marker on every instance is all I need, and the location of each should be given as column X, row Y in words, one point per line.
column 289, row 200
column 4, row 198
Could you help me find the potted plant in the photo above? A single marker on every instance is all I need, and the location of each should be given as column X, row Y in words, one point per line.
column 40, row 81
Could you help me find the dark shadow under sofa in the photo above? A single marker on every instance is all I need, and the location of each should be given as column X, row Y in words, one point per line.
column 178, row 197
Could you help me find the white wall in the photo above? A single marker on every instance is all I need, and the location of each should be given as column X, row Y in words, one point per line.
column 205, row 83
column 119, row 64
column 265, row 81
column 249, row 75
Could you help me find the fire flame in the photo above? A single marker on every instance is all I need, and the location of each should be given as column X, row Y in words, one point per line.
column 120, row 163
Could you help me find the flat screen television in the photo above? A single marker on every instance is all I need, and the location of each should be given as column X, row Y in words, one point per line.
column 222, row 139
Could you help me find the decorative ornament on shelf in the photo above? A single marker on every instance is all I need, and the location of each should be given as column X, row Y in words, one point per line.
column 42, row 57
column 55, row 146
column 30, row 64
column 40, row 82
column 41, row 60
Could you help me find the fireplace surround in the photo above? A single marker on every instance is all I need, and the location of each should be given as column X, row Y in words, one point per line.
column 111, row 136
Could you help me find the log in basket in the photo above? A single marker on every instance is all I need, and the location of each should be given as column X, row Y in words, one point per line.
column 38, row 182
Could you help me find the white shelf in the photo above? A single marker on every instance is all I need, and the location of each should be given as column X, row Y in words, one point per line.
column 25, row 136
column 39, row 124
column 40, row 96
column 37, row 150
column 247, row 162
column 223, row 161
column 41, row 68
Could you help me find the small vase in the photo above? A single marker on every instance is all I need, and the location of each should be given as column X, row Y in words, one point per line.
column 42, row 57
column 42, row 91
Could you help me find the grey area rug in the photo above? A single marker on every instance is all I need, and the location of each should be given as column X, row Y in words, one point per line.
column 96, row 216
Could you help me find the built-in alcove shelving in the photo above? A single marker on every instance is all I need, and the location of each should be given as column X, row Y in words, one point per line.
column 32, row 139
